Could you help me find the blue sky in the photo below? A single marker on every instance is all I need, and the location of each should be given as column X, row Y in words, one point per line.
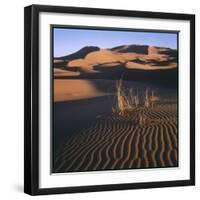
column 67, row 41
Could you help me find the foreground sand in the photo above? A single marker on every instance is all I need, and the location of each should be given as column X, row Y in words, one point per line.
column 114, row 142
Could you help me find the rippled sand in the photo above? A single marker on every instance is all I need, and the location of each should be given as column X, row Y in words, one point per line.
column 112, row 142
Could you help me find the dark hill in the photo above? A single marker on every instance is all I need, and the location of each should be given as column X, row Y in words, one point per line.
column 79, row 54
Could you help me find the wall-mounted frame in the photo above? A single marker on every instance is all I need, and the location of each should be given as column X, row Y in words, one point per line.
column 109, row 100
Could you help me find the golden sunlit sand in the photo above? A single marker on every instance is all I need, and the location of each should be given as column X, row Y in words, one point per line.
column 65, row 90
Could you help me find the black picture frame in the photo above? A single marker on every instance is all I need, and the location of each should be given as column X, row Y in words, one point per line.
column 31, row 98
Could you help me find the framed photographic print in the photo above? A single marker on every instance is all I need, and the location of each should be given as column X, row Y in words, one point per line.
column 109, row 100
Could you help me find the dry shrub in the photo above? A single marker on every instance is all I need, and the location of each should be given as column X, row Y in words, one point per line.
column 127, row 103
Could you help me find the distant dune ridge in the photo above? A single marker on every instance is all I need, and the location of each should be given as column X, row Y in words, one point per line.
column 91, row 59
column 79, row 54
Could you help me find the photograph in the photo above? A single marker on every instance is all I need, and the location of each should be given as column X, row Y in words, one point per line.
column 114, row 99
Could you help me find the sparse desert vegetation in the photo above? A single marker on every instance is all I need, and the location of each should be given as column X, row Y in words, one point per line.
column 128, row 102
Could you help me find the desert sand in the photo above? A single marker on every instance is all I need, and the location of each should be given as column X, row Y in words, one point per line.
column 94, row 129
column 104, row 141
column 90, row 59
column 66, row 90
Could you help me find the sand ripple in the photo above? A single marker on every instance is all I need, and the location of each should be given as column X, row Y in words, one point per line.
column 115, row 142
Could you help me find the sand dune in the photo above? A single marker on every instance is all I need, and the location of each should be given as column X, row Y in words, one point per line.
column 131, row 65
column 65, row 90
column 79, row 54
column 116, row 142
column 75, row 89
column 105, row 56
column 142, row 57
column 63, row 73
